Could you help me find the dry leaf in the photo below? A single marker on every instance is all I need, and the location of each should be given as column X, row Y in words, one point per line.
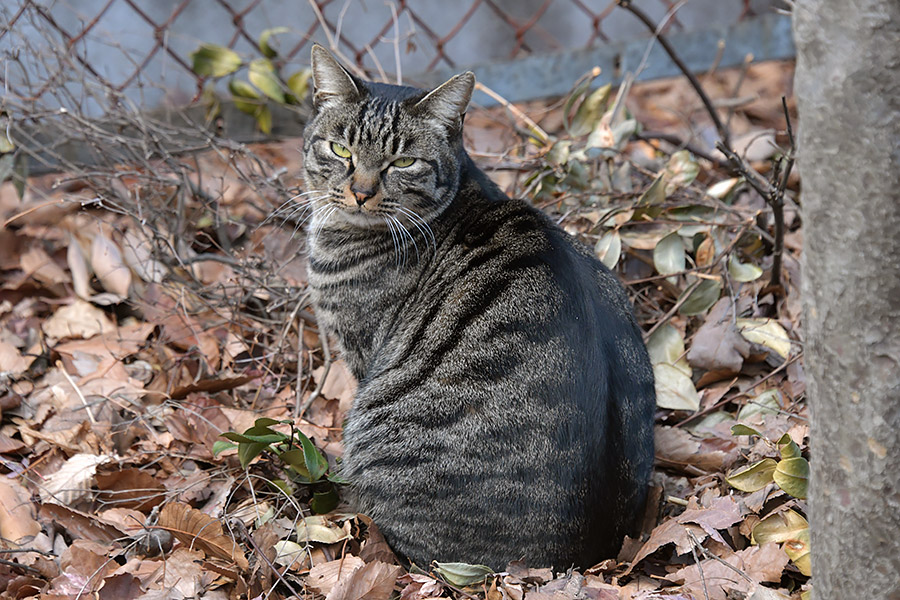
column 760, row 563
column 322, row 578
column 11, row 360
column 372, row 581
column 319, row 528
column 17, row 523
column 81, row 525
column 73, row 480
column 130, row 488
column 718, row 344
column 79, row 320
column 106, row 260
column 198, row 530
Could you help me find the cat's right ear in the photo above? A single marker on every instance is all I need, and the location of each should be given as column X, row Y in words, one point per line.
column 330, row 79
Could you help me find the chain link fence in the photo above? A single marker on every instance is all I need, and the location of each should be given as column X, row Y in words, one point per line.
column 143, row 49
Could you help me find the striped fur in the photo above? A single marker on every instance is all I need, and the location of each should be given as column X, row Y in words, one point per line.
column 505, row 400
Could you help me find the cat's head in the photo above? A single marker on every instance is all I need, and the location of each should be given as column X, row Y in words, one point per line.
column 374, row 151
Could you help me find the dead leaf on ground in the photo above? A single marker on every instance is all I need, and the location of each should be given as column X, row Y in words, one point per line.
column 323, row 578
column 372, row 581
column 759, row 563
column 17, row 522
column 79, row 320
column 195, row 529
column 73, row 480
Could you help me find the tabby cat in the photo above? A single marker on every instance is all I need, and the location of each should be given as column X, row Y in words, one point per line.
column 505, row 401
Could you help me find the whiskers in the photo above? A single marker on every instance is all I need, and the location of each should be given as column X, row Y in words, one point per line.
column 402, row 237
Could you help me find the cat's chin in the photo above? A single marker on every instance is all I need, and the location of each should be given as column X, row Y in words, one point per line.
column 357, row 218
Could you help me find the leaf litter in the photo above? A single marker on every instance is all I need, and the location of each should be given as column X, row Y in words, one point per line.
column 126, row 351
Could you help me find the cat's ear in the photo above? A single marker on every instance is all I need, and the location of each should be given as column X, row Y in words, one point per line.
column 330, row 79
column 448, row 102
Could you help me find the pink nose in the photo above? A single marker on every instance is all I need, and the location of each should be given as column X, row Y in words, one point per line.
column 362, row 194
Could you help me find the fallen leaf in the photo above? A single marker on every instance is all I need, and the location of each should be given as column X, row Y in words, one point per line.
column 106, row 260
column 372, row 581
column 718, row 345
column 73, row 480
column 81, row 525
column 768, row 333
column 78, row 320
column 322, row 578
column 17, row 522
column 674, row 389
column 320, row 529
column 130, row 488
column 752, row 477
column 759, row 563
column 195, row 529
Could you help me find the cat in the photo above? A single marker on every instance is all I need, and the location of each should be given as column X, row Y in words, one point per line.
column 505, row 397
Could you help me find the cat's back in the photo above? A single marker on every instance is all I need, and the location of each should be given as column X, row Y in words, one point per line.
column 489, row 410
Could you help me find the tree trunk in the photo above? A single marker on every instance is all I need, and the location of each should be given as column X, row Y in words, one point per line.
column 848, row 92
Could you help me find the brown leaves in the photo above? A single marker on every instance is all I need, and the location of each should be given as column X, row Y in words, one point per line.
column 198, row 530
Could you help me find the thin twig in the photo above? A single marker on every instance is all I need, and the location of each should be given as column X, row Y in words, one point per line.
column 323, row 338
column 534, row 127
column 81, row 397
column 642, row 16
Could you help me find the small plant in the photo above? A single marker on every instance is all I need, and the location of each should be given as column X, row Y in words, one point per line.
column 264, row 79
column 307, row 465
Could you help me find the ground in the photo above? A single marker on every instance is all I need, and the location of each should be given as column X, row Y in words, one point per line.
column 147, row 309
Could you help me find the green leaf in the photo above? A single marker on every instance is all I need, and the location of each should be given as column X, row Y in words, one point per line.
column 264, row 45
column 267, row 422
column 609, row 248
column 6, row 144
column 264, row 119
column 294, row 459
column 324, row 501
column 743, row 272
column 655, row 194
column 315, row 462
column 797, row 549
column 778, row 528
column 220, row 446
column 211, row 60
column 262, row 75
column 282, row 486
column 788, row 447
column 462, row 574
column 590, row 111
column 577, row 93
column 245, row 96
column 298, row 83
column 702, row 298
column 247, row 452
column 741, row 429
column 668, row 255
column 752, row 477
column 792, row 475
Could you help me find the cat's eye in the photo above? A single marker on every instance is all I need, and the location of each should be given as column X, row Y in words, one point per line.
column 403, row 162
column 340, row 150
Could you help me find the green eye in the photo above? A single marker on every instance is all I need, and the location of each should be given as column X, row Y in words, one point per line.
column 340, row 150
column 403, row 162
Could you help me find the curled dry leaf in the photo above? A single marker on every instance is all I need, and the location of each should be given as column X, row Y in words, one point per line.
column 106, row 260
column 198, row 530
column 318, row 528
column 768, row 333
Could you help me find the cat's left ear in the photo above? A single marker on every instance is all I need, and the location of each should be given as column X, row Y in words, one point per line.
column 448, row 102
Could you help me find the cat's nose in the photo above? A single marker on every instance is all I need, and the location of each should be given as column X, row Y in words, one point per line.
column 362, row 194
